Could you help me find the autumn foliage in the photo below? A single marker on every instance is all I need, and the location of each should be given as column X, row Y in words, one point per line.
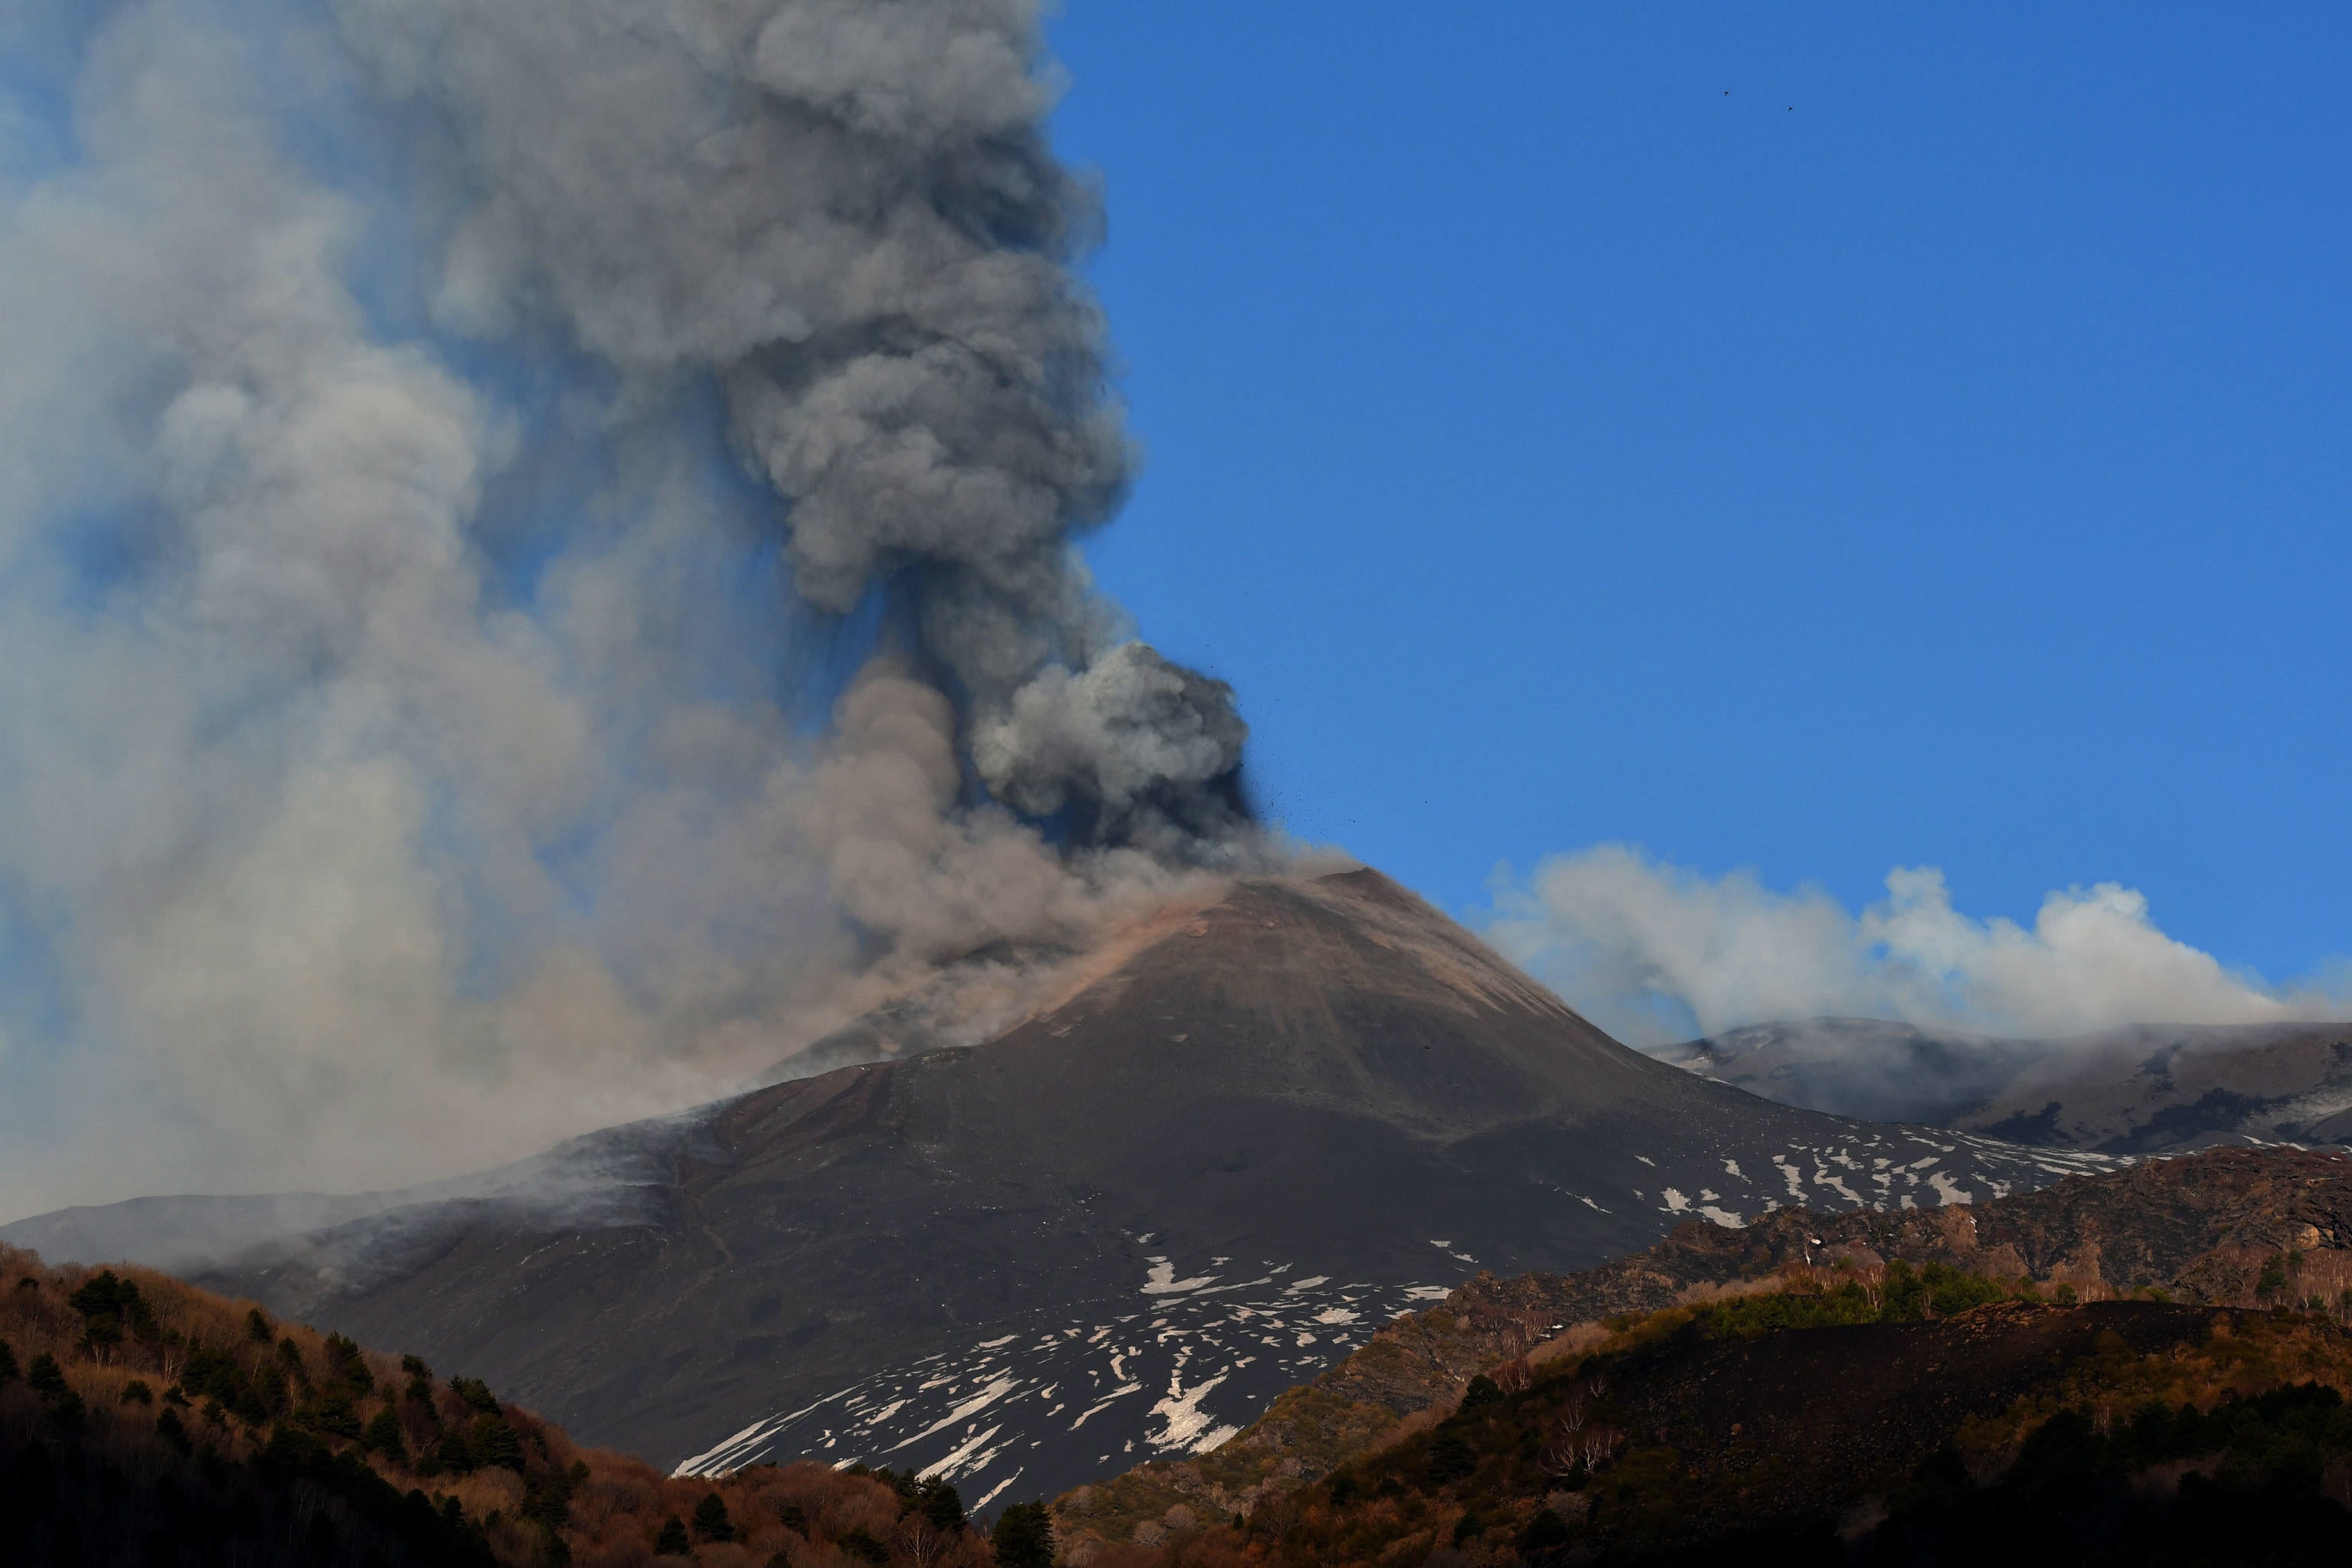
column 142, row 1419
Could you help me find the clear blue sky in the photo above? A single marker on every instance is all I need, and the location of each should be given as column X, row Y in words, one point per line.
column 1806, row 439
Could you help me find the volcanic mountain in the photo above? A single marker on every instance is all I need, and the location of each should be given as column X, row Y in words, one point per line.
column 1115, row 1230
column 2143, row 1088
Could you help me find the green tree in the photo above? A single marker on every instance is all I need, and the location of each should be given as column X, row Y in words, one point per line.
column 941, row 1505
column 710, row 1521
column 453, row 1452
column 672, row 1540
column 384, row 1436
column 1483, row 1390
column 495, row 1444
column 168, row 1427
column 46, row 1377
column 107, row 1306
column 1024, row 1537
column 549, row 1500
column 329, row 1413
column 860, row 1543
column 256, row 1327
column 476, row 1394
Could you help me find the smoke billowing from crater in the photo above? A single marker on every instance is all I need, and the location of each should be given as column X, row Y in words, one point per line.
column 536, row 568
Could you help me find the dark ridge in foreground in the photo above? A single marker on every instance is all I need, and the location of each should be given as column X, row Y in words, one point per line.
column 2238, row 1227
column 1902, row 1391
column 145, row 1421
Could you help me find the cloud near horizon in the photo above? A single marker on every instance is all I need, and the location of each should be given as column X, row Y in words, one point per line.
column 1656, row 953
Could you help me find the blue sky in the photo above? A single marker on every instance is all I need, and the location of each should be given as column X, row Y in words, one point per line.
column 1811, row 439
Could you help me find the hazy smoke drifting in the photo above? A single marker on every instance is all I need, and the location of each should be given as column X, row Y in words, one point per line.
column 1656, row 954
column 443, row 446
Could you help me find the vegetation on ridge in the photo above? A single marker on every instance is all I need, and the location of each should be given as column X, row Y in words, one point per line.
column 143, row 1420
column 1809, row 1384
column 1897, row 1417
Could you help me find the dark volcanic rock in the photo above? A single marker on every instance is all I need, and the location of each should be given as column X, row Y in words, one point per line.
column 1116, row 1229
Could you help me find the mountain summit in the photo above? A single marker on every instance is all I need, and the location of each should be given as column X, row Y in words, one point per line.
column 1115, row 1230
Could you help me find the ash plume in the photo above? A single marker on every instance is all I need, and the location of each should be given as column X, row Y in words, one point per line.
column 847, row 215
column 536, row 569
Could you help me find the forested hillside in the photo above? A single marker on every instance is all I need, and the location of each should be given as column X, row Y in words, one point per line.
column 143, row 1421
column 2150, row 1366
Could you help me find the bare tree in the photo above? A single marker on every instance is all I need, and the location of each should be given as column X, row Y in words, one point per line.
column 922, row 1543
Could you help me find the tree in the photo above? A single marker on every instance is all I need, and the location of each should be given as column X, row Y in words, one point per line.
column 1483, row 1390
column 920, row 1544
column 256, row 1327
column 1023, row 1536
column 8, row 1372
column 476, row 1394
column 384, row 1436
column 710, row 1521
column 495, row 1444
column 860, row 1543
column 332, row 1413
column 672, row 1540
column 452, row 1453
column 1450, row 1459
column 941, row 1504
column 47, row 1376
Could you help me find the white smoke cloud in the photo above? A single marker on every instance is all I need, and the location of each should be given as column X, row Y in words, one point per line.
column 1654, row 954
column 403, row 760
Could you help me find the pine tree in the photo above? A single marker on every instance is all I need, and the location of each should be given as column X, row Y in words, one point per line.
column 710, row 1521
column 47, row 1376
column 672, row 1540
column 1024, row 1537
column 495, row 1444
column 384, row 1436
column 941, row 1505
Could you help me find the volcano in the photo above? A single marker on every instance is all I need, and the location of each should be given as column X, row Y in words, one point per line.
column 1114, row 1231
column 2142, row 1088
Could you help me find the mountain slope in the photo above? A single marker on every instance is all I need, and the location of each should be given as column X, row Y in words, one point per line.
column 1838, row 1420
column 1116, row 1229
column 1826, row 1413
column 2141, row 1089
